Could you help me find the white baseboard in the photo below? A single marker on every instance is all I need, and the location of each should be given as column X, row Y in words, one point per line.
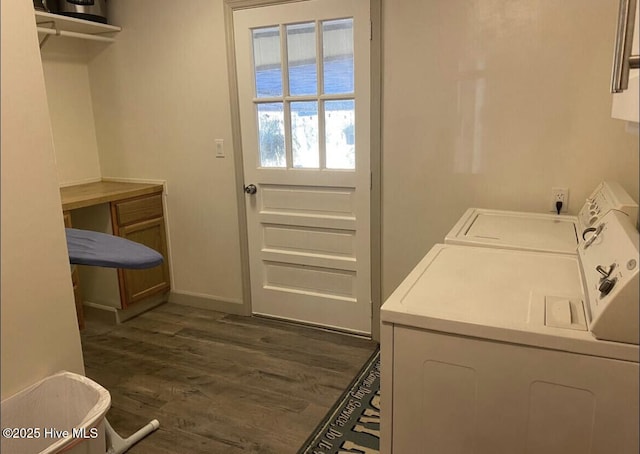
column 212, row 303
column 114, row 315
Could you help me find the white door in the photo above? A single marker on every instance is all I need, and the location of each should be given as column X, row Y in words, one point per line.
column 303, row 86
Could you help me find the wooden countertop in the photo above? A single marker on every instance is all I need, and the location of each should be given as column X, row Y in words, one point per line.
column 89, row 194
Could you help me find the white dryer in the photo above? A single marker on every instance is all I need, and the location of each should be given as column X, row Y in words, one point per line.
column 502, row 351
column 540, row 232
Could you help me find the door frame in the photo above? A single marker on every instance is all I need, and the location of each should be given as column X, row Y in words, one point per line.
column 375, row 158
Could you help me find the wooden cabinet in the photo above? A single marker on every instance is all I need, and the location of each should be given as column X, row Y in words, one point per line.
column 141, row 219
column 75, row 280
column 133, row 211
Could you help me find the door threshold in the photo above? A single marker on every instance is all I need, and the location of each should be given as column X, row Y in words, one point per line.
column 313, row 326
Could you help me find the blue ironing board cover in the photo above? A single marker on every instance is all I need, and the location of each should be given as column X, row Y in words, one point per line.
column 101, row 249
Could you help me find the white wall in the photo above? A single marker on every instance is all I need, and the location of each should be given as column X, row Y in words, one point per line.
column 39, row 332
column 491, row 104
column 485, row 104
column 71, row 112
column 161, row 97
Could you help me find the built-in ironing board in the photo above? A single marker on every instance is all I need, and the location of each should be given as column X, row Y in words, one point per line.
column 100, row 249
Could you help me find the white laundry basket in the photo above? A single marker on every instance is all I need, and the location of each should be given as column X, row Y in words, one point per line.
column 63, row 413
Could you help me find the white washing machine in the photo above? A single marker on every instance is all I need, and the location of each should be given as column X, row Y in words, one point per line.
column 540, row 232
column 503, row 351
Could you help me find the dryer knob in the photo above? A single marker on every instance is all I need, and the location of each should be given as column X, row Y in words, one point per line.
column 606, row 285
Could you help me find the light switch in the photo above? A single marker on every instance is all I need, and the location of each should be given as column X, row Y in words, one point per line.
column 219, row 148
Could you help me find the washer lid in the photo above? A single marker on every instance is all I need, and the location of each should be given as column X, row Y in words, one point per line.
column 516, row 230
column 487, row 286
column 496, row 294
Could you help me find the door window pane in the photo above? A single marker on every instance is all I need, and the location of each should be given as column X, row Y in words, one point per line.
column 304, row 134
column 271, row 135
column 295, row 143
column 301, row 50
column 337, row 49
column 267, row 62
column 340, row 134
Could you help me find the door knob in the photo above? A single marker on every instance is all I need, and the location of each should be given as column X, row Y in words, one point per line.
column 250, row 189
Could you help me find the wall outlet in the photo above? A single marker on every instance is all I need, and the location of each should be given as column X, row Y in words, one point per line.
column 559, row 195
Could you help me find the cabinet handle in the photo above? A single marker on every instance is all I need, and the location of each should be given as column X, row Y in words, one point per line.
column 622, row 60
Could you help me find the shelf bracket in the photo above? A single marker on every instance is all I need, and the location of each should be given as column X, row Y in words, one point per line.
column 46, row 37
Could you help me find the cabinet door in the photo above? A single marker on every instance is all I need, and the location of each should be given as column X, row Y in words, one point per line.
column 141, row 219
column 66, row 215
column 136, row 285
column 75, row 279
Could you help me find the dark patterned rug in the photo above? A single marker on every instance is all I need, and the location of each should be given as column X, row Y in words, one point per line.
column 353, row 424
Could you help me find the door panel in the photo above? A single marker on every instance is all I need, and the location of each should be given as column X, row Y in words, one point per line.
column 303, row 86
column 326, row 242
column 309, row 199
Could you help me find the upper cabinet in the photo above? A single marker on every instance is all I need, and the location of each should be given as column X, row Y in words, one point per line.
column 625, row 100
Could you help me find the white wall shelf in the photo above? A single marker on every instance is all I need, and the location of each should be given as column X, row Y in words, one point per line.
column 49, row 24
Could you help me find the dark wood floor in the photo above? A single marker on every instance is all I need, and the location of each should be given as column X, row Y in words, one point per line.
column 219, row 383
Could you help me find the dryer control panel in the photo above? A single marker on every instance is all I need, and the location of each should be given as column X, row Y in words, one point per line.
column 609, row 259
column 608, row 196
